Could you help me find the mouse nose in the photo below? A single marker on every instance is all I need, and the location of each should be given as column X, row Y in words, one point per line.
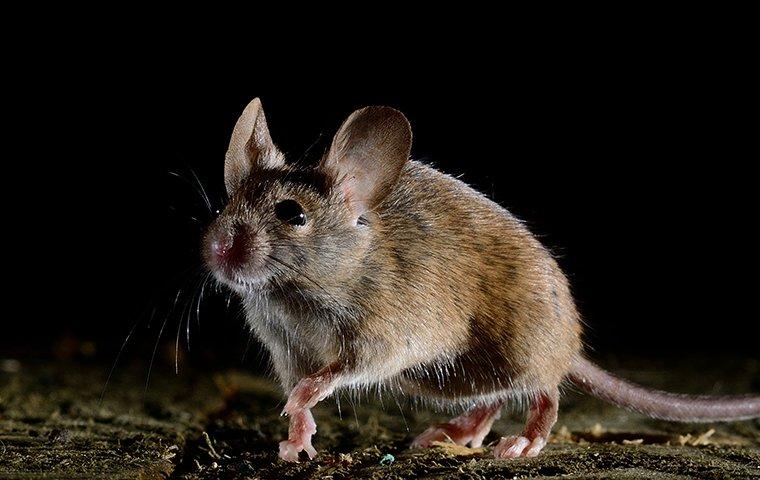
column 222, row 246
column 229, row 248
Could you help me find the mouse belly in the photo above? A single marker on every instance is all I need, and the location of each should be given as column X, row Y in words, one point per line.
column 462, row 379
column 511, row 366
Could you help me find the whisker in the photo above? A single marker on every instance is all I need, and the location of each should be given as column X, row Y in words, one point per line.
column 153, row 356
column 185, row 316
column 202, row 189
column 301, row 273
column 207, row 278
column 116, row 360
column 158, row 340
column 200, row 193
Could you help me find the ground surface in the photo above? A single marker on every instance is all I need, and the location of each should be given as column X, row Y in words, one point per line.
column 226, row 424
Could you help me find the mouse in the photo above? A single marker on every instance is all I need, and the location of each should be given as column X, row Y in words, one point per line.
column 373, row 270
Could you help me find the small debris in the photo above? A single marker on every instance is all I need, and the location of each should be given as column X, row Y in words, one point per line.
column 457, row 450
column 59, row 435
column 387, row 459
column 563, row 435
column 703, row 439
column 211, row 451
column 637, row 441
column 170, row 452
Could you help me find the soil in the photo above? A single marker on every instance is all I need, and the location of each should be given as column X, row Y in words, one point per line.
column 226, row 424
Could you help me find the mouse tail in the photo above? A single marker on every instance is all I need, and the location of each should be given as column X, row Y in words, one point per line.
column 658, row 404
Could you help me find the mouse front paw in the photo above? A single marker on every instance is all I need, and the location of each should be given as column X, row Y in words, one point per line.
column 302, row 427
column 289, row 450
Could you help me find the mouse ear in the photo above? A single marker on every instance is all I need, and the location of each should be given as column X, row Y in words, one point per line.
column 368, row 154
column 250, row 145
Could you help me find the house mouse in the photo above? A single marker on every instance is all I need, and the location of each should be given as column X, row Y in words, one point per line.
column 373, row 270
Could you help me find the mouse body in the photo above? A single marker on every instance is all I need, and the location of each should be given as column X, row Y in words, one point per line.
column 371, row 270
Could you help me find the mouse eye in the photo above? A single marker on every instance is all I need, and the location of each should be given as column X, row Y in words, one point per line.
column 289, row 211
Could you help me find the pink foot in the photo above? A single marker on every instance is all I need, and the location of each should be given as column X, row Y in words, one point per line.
column 541, row 418
column 302, row 427
column 440, row 433
column 518, row 446
column 472, row 428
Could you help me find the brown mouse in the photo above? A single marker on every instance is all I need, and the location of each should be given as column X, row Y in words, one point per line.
column 374, row 270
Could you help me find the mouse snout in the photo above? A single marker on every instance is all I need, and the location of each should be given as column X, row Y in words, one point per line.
column 229, row 248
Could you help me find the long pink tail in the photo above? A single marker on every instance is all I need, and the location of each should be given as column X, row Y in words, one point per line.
column 658, row 404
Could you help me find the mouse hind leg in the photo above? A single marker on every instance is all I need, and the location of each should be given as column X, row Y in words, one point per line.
column 542, row 416
column 470, row 427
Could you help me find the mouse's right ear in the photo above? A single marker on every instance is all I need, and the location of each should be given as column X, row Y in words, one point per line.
column 250, row 146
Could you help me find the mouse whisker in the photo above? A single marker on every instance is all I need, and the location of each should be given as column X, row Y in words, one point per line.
column 153, row 355
column 301, row 273
column 163, row 326
column 184, row 317
column 118, row 357
column 200, row 191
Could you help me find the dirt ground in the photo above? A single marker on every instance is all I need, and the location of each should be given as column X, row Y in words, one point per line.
column 226, row 424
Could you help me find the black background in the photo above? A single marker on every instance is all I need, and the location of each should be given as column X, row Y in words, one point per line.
column 635, row 162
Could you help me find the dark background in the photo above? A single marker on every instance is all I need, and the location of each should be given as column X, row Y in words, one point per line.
column 635, row 162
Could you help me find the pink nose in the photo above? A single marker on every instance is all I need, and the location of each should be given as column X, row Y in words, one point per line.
column 229, row 250
column 220, row 247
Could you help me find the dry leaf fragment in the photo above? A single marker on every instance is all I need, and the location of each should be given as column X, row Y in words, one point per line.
column 457, row 450
column 637, row 441
column 702, row 439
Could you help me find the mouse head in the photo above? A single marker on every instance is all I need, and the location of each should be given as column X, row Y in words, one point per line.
column 304, row 230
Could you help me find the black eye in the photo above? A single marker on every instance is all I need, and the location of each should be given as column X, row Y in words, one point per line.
column 289, row 211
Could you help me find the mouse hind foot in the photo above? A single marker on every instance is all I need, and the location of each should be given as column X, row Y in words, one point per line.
column 470, row 427
column 542, row 416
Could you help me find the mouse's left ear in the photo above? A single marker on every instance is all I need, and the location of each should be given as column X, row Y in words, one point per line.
column 368, row 155
column 250, row 145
